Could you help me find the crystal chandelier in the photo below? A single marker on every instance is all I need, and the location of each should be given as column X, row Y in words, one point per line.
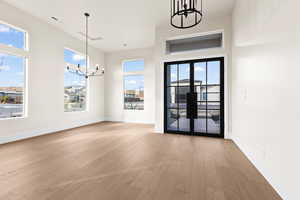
column 185, row 13
column 78, row 69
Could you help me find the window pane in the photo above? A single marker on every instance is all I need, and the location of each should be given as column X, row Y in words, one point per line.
column 201, row 93
column 200, row 122
column 213, row 121
column 12, row 37
column 172, row 120
column 213, row 72
column 74, row 58
column 172, row 75
column 171, row 97
column 184, row 122
column 184, row 75
column 75, row 86
column 200, row 73
column 134, row 65
column 134, row 92
column 12, row 79
column 213, row 106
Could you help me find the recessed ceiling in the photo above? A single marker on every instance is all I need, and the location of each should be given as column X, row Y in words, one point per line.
column 116, row 22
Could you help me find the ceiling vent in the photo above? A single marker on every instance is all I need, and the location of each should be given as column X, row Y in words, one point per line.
column 202, row 42
column 89, row 37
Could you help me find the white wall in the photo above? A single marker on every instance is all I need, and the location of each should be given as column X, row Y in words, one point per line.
column 46, row 80
column 114, row 87
column 164, row 33
column 265, row 89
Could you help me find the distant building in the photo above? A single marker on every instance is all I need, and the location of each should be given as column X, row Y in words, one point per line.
column 14, row 97
column 134, row 95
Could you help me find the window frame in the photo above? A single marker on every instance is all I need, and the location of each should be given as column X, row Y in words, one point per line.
column 132, row 73
column 23, row 53
column 87, row 85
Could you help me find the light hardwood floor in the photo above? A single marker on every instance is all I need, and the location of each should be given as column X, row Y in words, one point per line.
column 110, row 161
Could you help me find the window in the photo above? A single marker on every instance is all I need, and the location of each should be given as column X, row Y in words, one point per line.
column 13, row 65
column 133, row 66
column 75, row 86
column 133, row 85
column 202, row 42
column 12, row 37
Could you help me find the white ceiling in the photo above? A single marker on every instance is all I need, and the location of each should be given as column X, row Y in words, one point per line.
column 117, row 21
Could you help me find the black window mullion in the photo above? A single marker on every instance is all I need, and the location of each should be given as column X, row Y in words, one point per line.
column 206, row 96
column 177, row 99
column 192, row 89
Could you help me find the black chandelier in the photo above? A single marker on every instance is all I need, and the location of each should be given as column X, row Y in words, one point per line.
column 77, row 69
column 185, row 13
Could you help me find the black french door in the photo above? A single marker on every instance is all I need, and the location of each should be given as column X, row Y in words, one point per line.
column 194, row 97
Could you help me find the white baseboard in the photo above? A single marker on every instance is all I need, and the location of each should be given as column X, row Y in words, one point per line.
column 35, row 133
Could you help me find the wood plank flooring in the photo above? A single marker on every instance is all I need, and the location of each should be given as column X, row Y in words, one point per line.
column 121, row 161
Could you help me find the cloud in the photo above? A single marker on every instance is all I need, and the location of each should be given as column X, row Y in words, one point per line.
column 77, row 57
column 199, row 69
column 4, row 28
column 4, row 68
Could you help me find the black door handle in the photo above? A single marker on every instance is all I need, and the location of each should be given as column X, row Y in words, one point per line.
column 191, row 105
column 188, row 105
column 194, row 106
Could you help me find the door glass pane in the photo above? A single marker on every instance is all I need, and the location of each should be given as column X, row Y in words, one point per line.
column 172, row 116
column 184, row 123
column 200, row 122
column 201, row 93
column 172, row 75
column 200, row 73
column 201, row 106
column 213, row 72
column 171, row 97
column 213, row 105
column 184, row 75
column 213, row 121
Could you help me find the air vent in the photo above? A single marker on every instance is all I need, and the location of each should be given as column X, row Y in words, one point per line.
column 90, row 38
column 194, row 43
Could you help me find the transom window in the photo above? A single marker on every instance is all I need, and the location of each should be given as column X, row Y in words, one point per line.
column 12, row 37
column 13, row 64
column 133, row 84
column 75, row 85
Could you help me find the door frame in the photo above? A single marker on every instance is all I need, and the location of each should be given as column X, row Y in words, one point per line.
column 222, row 96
